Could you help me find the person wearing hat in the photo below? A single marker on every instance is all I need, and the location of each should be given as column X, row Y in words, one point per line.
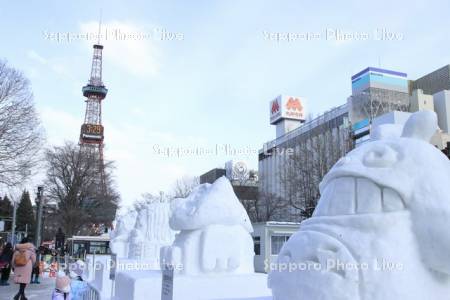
column 78, row 285
column 62, row 288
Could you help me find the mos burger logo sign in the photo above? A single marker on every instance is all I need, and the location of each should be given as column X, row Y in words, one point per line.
column 275, row 107
column 275, row 110
column 294, row 109
column 294, row 104
column 287, row 107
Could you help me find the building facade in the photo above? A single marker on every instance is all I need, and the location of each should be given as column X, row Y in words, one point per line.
column 212, row 175
column 268, row 238
column 317, row 144
column 281, row 159
column 434, row 82
column 375, row 92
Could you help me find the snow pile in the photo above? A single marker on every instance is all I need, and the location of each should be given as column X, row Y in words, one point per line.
column 141, row 233
column 214, row 232
column 380, row 229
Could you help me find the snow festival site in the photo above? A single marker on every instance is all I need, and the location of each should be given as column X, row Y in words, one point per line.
column 224, row 150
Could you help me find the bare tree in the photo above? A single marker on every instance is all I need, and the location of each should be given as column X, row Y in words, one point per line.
column 245, row 186
column 73, row 181
column 184, row 186
column 306, row 167
column 21, row 134
column 269, row 207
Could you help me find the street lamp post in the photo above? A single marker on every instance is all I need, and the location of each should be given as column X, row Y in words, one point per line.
column 13, row 229
column 39, row 215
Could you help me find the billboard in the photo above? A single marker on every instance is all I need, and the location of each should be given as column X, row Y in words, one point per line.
column 287, row 107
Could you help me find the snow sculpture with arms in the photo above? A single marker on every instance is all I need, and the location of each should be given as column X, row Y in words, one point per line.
column 151, row 231
column 214, row 232
column 380, row 229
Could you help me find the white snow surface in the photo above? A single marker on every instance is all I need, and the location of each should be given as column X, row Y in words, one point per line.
column 119, row 237
column 386, row 131
column 380, row 229
column 209, row 204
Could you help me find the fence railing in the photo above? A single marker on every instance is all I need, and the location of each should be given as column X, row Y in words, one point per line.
column 91, row 294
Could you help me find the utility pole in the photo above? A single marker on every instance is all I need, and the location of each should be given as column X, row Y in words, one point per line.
column 13, row 229
column 40, row 205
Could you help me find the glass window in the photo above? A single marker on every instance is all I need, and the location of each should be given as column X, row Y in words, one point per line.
column 276, row 242
column 98, row 247
column 257, row 245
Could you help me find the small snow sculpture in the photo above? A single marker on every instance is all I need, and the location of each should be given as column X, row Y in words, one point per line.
column 121, row 234
column 141, row 232
column 214, row 232
column 380, row 229
column 151, row 231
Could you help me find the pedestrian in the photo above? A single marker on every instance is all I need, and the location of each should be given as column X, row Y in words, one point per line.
column 62, row 288
column 22, row 262
column 5, row 263
column 78, row 285
column 36, row 269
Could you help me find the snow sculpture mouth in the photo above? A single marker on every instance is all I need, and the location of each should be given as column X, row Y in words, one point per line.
column 349, row 195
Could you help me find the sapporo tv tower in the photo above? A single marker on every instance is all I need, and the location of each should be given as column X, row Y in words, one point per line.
column 91, row 135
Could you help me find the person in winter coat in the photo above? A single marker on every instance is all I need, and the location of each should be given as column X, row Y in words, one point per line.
column 5, row 263
column 23, row 261
column 62, row 288
column 78, row 285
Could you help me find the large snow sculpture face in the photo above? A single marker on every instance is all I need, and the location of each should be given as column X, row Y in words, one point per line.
column 393, row 174
column 214, row 232
column 402, row 177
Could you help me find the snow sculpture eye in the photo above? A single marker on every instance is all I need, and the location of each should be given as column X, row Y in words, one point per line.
column 380, row 156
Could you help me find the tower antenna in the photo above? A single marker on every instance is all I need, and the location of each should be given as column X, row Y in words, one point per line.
column 99, row 27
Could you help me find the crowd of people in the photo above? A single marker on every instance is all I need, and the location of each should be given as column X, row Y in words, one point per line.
column 25, row 262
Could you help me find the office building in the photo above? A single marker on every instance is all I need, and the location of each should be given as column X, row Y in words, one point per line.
column 329, row 131
column 212, row 175
column 375, row 92
column 379, row 96
column 433, row 82
column 442, row 108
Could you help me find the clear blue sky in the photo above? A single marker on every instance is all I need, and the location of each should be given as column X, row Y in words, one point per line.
column 212, row 86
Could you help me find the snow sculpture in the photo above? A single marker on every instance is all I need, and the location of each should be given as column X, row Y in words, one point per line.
column 121, row 234
column 141, row 232
column 151, row 231
column 214, row 232
column 380, row 229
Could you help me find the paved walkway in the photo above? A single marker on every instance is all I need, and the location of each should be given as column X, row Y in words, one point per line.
column 41, row 291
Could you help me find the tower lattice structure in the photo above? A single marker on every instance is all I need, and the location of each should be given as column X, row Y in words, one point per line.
column 92, row 131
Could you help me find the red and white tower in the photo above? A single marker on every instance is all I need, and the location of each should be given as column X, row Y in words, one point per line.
column 91, row 135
